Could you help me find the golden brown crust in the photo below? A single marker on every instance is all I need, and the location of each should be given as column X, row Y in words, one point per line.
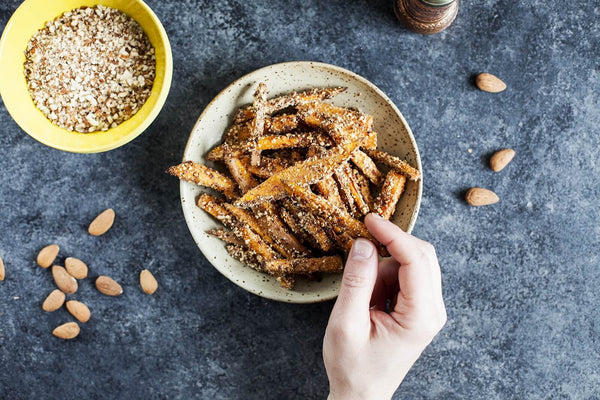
column 392, row 189
column 394, row 162
column 305, row 266
column 226, row 236
column 367, row 166
column 199, row 174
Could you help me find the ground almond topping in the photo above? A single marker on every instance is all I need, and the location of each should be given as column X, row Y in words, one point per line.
column 90, row 69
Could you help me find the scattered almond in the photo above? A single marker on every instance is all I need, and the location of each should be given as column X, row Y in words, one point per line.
column 501, row 158
column 2, row 271
column 78, row 310
column 148, row 282
column 481, row 197
column 54, row 301
column 47, row 255
column 489, row 83
column 63, row 280
column 108, row 286
column 66, row 331
column 102, row 222
column 76, row 268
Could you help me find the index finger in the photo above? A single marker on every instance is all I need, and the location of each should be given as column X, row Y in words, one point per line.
column 405, row 248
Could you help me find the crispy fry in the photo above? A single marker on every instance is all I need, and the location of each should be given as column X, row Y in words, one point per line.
column 258, row 123
column 286, row 243
column 345, row 191
column 342, row 124
column 268, row 167
column 239, row 171
column 329, row 189
column 292, row 222
column 392, row 189
column 367, row 166
column 238, row 131
column 226, row 236
column 363, row 185
column 340, row 219
column 252, row 240
column 291, row 100
column 304, row 266
column 311, row 225
column 355, row 190
column 395, row 163
column 369, row 140
column 202, row 175
column 306, row 172
column 281, row 124
column 245, row 256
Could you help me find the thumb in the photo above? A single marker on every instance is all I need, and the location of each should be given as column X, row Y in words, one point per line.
column 360, row 274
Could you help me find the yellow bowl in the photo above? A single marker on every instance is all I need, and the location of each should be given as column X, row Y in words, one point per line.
column 24, row 23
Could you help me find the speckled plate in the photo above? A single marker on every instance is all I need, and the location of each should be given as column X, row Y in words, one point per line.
column 394, row 137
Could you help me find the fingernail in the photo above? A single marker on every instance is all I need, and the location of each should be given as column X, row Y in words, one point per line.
column 362, row 249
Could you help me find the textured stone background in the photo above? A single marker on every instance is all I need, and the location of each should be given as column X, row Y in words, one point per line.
column 521, row 277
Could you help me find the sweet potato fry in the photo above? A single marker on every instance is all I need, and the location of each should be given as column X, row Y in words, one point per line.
column 306, row 172
column 304, row 266
column 292, row 222
column 342, row 124
column 363, row 185
column 311, row 225
column 252, row 240
column 291, row 100
column 199, row 174
column 395, row 163
column 364, row 163
column 245, row 256
column 268, row 167
column 355, row 190
column 226, row 236
column 239, row 171
column 329, row 189
column 286, row 243
column 346, row 192
column 281, row 124
column 392, row 189
column 369, row 140
column 258, row 123
column 286, row 281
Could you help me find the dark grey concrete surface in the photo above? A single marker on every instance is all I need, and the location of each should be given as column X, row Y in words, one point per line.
column 521, row 278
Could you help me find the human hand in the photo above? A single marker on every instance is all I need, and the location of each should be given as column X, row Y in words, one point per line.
column 367, row 351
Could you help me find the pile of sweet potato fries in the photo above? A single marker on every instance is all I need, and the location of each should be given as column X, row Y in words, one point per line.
column 303, row 174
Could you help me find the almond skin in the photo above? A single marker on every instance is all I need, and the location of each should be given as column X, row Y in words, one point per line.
column 108, row 286
column 47, row 255
column 148, row 282
column 76, row 268
column 481, row 197
column 66, row 331
column 501, row 158
column 489, row 83
column 102, row 223
column 54, row 301
column 78, row 310
column 63, row 280
column 2, row 271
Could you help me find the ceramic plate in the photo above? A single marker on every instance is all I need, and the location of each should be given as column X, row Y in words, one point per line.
column 394, row 136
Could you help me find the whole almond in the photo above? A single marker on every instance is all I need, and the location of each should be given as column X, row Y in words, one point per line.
column 489, row 83
column 54, row 301
column 63, row 280
column 481, row 197
column 76, row 268
column 2, row 271
column 66, row 331
column 148, row 282
column 108, row 286
column 501, row 158
column 102, row 222
column 78, row 310
column 47, row 255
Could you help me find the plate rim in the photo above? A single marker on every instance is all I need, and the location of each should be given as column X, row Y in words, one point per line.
column 353, row 75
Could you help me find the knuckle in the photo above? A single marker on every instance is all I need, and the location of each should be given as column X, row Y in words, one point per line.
column 354, row 280
column 428, row 248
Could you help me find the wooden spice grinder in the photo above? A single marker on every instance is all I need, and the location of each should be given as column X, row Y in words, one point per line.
column 426, row 16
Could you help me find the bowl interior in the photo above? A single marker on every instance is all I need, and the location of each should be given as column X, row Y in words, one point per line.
column 394, row 136
column 25, row 22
